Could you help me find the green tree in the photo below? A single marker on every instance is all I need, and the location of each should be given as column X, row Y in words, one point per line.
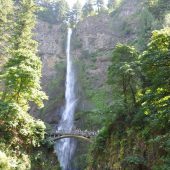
column 6, row 16
column 62, row 9
column 20, row 132
column 156, row 66
column 23, row 70
column 124, row 75
column 53, row 11
column 144, row 29
column 74, row 15
column 111, row 4
column 159, row 8
column 88, row 8
column 6, row 13
column 100, row 5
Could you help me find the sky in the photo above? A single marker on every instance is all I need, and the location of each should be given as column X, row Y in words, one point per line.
column 71, row 2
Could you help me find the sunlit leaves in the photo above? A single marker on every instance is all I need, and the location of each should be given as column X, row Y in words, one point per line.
column 22, row 76
column 4, row 161
column 19, row 125
column 23, row 71
column 156, row 66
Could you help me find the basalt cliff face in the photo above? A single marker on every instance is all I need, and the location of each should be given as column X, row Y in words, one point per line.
column 50, row 38
column 93, row 40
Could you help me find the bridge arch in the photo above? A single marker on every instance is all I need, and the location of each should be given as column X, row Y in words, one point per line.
column 72, row 136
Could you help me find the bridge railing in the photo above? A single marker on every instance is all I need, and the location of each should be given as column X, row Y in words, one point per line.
column 75, row 132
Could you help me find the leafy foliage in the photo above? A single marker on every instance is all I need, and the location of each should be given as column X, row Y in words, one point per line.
column 6, row 13
column 53, row 12
column 20, row 79
column 146, row 24
column 21, row 76
column 123, row 74
column 159, row 7
column 4, row 162
column 156, row 64
column 100, row 5
column 19, row 127
column 74, row 14
column 88, row 8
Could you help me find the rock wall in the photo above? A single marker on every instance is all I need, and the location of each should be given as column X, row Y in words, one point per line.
column 93, row 40
column 52, row 39
column 51, row 47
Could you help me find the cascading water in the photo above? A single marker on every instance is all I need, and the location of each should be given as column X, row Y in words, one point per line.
column 65, row 148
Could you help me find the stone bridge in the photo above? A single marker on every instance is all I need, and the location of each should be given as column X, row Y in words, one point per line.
column 79, row 134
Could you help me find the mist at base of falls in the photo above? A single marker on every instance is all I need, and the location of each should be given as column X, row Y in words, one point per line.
column 65, row 148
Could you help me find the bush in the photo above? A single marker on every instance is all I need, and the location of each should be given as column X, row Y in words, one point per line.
column 4, row 161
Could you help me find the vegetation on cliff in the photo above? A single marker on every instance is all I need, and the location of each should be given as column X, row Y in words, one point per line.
column 136, row 131
column 136, row 134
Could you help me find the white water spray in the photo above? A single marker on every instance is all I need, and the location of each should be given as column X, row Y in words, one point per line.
column 65, row 148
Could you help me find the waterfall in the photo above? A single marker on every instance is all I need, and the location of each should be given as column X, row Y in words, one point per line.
column 65, row 147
